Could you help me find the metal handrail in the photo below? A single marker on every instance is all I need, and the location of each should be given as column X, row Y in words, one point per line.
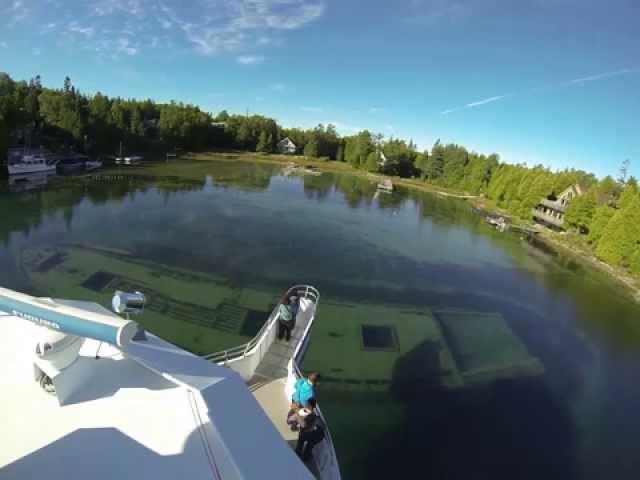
column 243, row 350
column 297, row 374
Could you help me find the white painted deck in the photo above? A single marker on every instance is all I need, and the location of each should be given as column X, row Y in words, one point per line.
column 155, row 413
column 274, row 363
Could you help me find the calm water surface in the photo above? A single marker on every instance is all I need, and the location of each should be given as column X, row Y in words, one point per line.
column 398, row 262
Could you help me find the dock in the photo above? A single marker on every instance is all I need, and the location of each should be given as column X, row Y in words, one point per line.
column 386, row 186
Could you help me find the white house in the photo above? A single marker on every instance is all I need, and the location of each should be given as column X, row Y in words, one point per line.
column 286, row 146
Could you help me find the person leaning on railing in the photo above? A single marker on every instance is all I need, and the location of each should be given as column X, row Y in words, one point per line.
column 304, row 389
column 310, row 430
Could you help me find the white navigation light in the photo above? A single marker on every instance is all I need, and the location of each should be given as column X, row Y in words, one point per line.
column 131, row 303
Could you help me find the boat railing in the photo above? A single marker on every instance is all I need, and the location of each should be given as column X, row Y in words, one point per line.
column 324, row 453
column 266, row 335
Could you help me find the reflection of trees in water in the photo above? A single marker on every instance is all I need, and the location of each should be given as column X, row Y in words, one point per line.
column 243, row 176
column 317, row 187
column 357, row 191
column 26, row 211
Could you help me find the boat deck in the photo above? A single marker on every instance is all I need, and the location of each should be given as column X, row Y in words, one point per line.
column 149, row 409
column 273, row 400
column 274, row 364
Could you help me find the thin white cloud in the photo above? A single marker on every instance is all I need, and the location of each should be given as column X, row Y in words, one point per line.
column 4, row 45
column 208, row 27
column 278, row 87
column 74, row 28
column 601, row 76
column 477, row 103
column 250, row 59
column 124, row 46
column 434, row 13
column 36, row 52
column 567, row 84
column 312, row 109
column 375, row 110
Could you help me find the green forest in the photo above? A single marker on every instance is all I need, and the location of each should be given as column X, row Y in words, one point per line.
column 606, row 215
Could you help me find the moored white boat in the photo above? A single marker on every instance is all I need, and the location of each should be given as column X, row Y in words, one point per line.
column 91, row 165
column 133, row 160
column 23, row 162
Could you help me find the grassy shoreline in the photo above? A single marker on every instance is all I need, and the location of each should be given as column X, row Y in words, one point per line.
column 568, row 243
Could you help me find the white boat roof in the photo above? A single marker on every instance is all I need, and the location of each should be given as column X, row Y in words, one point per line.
column 153, row 411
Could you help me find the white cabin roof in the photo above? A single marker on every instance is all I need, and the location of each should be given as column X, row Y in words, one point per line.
column 152, row 412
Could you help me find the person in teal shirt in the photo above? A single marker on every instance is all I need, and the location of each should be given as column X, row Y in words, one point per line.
column 305, row 389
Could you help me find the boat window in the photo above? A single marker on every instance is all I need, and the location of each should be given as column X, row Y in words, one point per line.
column 379, row 337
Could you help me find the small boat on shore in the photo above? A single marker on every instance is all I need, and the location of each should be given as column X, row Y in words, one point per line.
column 23, row 161
column 71, row 163
column 385, row 186
column 129, row 160
column 499, row 222
column 294, row 169
column 132, row 160
column 91, row 165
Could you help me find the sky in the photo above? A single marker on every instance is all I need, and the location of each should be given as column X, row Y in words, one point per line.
column 551, row 82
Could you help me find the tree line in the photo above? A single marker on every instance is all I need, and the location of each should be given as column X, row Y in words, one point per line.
column 96, row 124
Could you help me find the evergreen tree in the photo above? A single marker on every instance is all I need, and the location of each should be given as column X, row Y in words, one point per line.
column 434, row 164
column 67, row 85
column 243, row 137
column 223, row 116
column 4, row 138
column 371, row 165
column 601, row 219
column 263, row 143
column 422, row 160
column 581, row 211
column 340, row 153
column 621, row 237
column 628, row 194
column 311, row 148
column 270, row 144
column 634, row 262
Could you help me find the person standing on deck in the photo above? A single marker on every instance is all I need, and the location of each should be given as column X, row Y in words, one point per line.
column 311, row 431
column 286, row 318
column 305, row 389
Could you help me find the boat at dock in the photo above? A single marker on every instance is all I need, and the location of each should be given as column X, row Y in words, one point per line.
column 385, row 186
column 71, row 163
column 91, row 165
column 127, row 160
column 132, row 160
column 23, row 161
column 295, row 169
column 88, row 393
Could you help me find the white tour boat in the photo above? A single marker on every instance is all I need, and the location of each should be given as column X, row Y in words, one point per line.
column 85, row 393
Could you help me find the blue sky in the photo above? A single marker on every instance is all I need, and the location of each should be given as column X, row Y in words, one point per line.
column 555, row 82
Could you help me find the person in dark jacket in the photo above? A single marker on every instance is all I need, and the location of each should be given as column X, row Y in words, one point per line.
column 310, row 428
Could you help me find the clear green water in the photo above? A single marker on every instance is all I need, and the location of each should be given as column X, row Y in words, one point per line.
column 486, row 356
